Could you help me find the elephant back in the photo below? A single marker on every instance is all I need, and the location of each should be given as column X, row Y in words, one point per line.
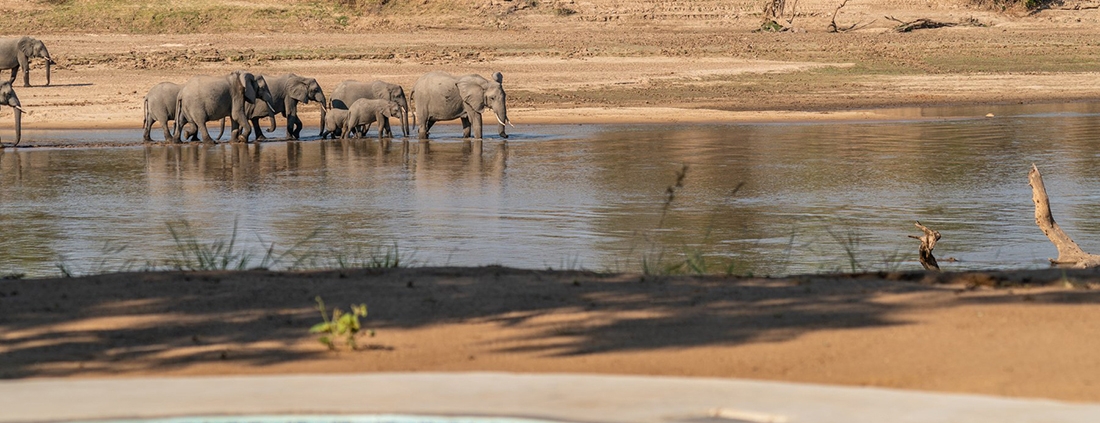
column 347, row 92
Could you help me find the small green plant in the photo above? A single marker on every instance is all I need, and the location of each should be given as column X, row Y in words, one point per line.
column 377, row 257
column 341, row 325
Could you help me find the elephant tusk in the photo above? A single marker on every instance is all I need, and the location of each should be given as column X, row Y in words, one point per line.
column 19, row 109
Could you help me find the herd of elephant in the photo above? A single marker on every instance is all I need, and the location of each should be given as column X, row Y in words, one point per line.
column 245, row 98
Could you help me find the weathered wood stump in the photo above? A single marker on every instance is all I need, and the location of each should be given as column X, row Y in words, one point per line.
column 927, row 243
column 1069, row 254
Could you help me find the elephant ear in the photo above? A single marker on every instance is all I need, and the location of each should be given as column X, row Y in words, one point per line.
column 26, row 45
column 299, row 90
column 498, row 77
column 473, row 94
column 248, row 82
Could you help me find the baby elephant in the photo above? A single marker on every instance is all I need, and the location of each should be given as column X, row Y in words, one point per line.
column 363, row 112
column 334, row 123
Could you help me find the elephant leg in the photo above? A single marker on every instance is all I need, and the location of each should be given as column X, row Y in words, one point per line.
column 25, row 64
column 348, row 124
column 381, row 124
column 465, row 127
column 256, row 128
column 146, row 128
column 167, row 131
column 423, row 129
column 384, row 127
column 14, row 71
column 475, row 124
column 201, row 123
column 293, row 127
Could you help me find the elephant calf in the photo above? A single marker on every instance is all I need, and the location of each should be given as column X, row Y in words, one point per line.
column 334, row 123
column 8, row 98
column 347, row 92
column 365, row 111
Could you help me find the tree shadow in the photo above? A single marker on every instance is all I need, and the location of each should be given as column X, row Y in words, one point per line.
column 164, row 321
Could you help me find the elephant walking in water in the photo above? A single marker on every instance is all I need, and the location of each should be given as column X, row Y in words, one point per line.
column 286, row 92
column 366, row 111
column 16, row 53
column 206, row 98
column 8, row 98
column 347, row 92
column 160, row 106
column 333, row 123
column 441, row 96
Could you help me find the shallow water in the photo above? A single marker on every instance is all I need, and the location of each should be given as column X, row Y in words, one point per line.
column 756, row 198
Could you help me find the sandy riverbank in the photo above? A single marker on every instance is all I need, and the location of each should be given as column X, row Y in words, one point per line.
column 1034, row 337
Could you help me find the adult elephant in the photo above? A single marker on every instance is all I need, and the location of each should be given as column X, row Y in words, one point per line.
column 441, row 96
column 8, row 98
column 160, row 106
column 16, row 53
column 347, row 92
column 206, row 98
column 286, row 92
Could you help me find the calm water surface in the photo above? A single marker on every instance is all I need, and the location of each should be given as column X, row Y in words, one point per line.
column 760, row 198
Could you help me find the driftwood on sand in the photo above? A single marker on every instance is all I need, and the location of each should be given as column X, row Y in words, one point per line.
column 1069, row 254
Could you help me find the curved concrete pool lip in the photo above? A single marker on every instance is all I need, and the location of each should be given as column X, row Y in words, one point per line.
column 554, row 397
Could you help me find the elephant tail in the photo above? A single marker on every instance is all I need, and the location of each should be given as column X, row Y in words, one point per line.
column 179, row 119
column 146, row 124
column 222, row 131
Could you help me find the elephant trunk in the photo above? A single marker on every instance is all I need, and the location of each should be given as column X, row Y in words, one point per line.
column 272, row 128
column 49, row 62
column 324, row 112
column 18, row 123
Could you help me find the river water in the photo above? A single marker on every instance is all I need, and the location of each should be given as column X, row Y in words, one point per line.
column 776, row 199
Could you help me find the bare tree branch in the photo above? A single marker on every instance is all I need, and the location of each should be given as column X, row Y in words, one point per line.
column 927, row 243
column 1069, row 253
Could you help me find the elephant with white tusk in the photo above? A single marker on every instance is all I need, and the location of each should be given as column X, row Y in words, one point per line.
column 286, row 92
column 15, row 53
column 206, row 98
column 440, row 96
column 8, row 98
column 347, row 92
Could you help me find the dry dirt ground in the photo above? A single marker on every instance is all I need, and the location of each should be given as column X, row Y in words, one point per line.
column 610, row 61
